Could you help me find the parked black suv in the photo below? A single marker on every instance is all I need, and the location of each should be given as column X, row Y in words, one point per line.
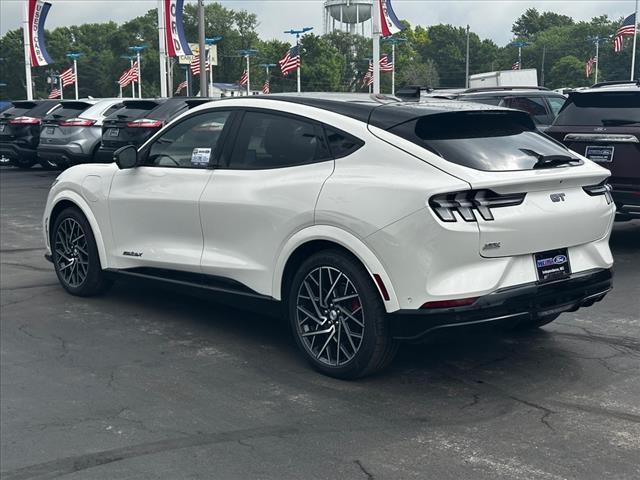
column 138, row 120
column 603, row 124
column 20, row 131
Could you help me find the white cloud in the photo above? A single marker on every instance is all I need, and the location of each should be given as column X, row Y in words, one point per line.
column 489, row 18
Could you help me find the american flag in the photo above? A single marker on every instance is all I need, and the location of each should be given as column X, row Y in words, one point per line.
column 68, row 77
column 291, row 61
column 628, row 29
column 181, row 87
column 265, row 88
column 195, row 65
column 588, row 68
column 129, row 75
column 55, row 93
column 385, row 64
column 244, row 78
column 515, row 66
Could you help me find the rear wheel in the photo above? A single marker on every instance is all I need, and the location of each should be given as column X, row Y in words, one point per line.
column 25, row 163
column 75, row 255
column 337, row 317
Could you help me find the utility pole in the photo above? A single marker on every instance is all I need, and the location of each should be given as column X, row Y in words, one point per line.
column 519, row 44
column 201, row 43
column 75, row 56
column 162, row 48
column 635, row 42
column 467, row 67
column 297, row 33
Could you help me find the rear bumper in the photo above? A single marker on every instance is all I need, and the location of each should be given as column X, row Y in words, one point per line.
column 508, row 305
column 13, row 152
column 63, row 154
column 627, row 199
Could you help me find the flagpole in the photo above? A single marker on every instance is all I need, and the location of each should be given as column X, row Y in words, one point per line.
column 61, row 88
column 393, row 72
column 376, row 46
column 635, row 41
column 299, row 61
column 139, row 75
column 597, row 57
column 162, row 47
column 133, row 84
column 27, row 51
column 75, row 74
column 249, row 78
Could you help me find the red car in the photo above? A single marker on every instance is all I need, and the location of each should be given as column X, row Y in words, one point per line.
column 603, row 124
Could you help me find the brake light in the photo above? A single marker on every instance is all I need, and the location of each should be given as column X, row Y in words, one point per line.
column 460, row 302
column 600, row 189
column 467, row 203
column 77, row 122
column 25, row 121
column 144, row 123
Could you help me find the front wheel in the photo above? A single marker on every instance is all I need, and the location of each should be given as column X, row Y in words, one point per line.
column 338, row 318
column 75, row 255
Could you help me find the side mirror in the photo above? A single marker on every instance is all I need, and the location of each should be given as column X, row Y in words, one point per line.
column 126, row 157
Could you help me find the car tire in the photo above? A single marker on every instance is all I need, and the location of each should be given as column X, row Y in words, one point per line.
column 343, row 331
column 24, row 163
column 75, row 255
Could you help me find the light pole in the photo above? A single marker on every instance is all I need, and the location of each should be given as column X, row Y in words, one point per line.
column 297, row 33
column 209, row 42
column 137, row 49
column 75, row 56
column 133, row 84
column 393, row 41
column 248, row 53
column 598, row 40
column 467, row 64
column 268, row 66
column 519, row 44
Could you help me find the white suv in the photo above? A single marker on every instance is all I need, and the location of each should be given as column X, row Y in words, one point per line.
column 371, row 220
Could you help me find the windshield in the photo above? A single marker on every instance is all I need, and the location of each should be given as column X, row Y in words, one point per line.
column 488, row 141
column 606, row 108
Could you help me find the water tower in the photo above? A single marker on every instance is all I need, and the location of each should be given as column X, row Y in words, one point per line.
column 348, row 15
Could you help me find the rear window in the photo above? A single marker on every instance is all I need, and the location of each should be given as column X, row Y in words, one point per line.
column 43, row 108
column 596, row 109
column 488, row 141
column 14, row 112
column 168, row 110
column 134, row 109
column 68, row 110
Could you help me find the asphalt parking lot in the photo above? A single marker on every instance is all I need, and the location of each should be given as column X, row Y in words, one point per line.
column 144, row 383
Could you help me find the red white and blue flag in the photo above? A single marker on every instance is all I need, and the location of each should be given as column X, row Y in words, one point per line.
column 175, row 38
column 195, row 65
column 628, row 29
column 129, row 75
column 67, row 77
column 181, row 87
column 55, row 93
column 385, row 64
column 590, row 65
column 37, row 11
column 291, row 60
column 389, row 22
column 265, row 88
column 515, row 66
column 244, row 78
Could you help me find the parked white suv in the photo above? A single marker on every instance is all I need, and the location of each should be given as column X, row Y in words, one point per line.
column 371, row 220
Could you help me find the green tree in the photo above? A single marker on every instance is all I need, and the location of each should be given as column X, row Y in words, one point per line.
column 567, row 72
column 531, row 22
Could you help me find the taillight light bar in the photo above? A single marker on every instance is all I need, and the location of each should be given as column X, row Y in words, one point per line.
column 600, row 189
column 144, row 123
column 470, row 202
column 77, row 122
column 25, row 121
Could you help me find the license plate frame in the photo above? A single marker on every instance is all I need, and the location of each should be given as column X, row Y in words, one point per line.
column 600, row 153
column 552, row 265
column 114, row 132
column 49, row 130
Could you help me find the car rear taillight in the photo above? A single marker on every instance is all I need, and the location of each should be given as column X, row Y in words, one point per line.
column 25, row 121
column 77, row 122
column 470, row 202
column 144, row 123
column 459, row 302
column 600, row 189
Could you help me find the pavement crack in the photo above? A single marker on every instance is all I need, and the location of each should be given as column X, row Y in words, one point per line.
column 546, row 411
column 474, row 402
column 364, row 470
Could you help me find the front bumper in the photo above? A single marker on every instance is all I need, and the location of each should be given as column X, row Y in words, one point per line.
column 507, row 305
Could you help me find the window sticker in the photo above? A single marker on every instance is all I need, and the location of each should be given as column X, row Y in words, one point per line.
column 200, row 157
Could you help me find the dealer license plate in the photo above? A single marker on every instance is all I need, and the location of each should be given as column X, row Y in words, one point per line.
column 600, row 154
column 552, row 265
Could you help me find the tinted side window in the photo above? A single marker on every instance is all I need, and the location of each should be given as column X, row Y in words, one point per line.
column 268, row 140
column 340, row 143
column 485, row 100
column 534, row 106
column 189, row 144
column 112, row 109
column 556, row 104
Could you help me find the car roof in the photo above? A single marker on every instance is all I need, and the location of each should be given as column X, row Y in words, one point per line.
column 531, row 92
column 633, row 86
column 383, row 111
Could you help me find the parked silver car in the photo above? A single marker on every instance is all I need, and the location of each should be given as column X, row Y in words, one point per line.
column 72, row 134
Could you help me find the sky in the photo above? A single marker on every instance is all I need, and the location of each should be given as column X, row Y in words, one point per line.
column 488, row 18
